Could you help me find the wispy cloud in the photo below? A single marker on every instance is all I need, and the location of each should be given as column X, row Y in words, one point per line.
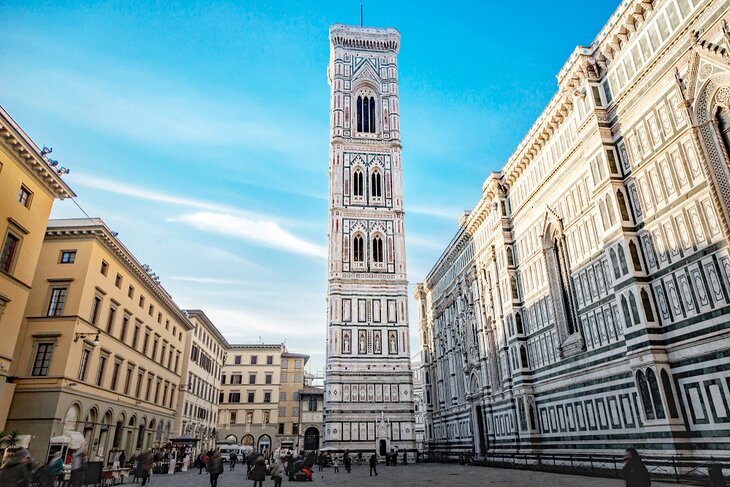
column 435, row 211
column 241, row 323
column 220, row 219
column 424, row 242
column 205, row 280
column 256, row 230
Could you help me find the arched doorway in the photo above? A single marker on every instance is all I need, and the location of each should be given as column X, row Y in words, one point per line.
column 264, row 444
column 311, row 439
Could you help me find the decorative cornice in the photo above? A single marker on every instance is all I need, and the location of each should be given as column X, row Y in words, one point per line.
column 365, row 38
column 96, row 228
column 15, row 139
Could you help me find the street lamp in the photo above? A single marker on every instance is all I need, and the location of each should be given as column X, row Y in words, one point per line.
column 77, row 336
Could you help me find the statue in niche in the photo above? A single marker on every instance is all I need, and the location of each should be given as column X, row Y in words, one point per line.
column 392, row 345
column 376, row 342
column 361, row 341
column 346, row 342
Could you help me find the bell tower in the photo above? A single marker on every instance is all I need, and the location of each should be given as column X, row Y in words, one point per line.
column 368, row 384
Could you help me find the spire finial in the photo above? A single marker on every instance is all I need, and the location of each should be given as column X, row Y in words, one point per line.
column 360, row 13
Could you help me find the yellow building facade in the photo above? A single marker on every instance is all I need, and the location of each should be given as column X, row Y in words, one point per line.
column 292, row 382
column 101, row 346
column 28, row 187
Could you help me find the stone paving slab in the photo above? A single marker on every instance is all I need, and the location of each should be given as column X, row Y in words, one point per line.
column 448, row 475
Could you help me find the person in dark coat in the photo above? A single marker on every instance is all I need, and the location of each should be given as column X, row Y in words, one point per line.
column 122, row 459
column 78, row 468
column 52, row 470
column 405, row 458
column 347, row 461
column 258, row 472
column 215, row 468
column 373, row 465
column 233, row 458
column 15, row 472
column 145, row 462
column 635, row 472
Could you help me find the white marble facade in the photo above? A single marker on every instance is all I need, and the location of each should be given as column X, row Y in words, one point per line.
column 582, row 305
column 368, row 385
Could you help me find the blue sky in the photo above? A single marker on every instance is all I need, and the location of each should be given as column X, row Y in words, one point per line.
column 199, row 130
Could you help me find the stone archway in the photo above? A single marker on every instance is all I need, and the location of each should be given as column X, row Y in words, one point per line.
column 311, row 439
column 713, row 96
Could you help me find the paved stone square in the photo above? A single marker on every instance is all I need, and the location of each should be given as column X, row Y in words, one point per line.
column 405, row 476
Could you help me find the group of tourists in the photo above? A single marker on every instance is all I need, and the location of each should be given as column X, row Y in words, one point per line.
column 20, row 470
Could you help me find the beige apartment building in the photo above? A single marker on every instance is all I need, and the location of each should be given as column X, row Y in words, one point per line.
column 29, row 184
column 248, row 401
column 101, row 348
column 197, row 408
column 292, row 382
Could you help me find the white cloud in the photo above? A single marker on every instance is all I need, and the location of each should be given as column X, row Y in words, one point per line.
column 240, row 324
column 204, row 280
column 438, row 212
column 258, row 230
column 424, row 242
column 220, row 219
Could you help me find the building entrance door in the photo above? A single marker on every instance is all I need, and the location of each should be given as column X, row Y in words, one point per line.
column 382, row 448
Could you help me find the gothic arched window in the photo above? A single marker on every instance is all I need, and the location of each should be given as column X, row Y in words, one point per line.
column 518, row 321
column 559, row 278
column 656, row 397
column 622, row 206
column 357, row 183
column 647, row 305
column 667, row 386
column 645, row 395
column 366, row 114
column 376, row 184
column 358, row 250
column 377, row 249
column 634, row 256
column 723, row 123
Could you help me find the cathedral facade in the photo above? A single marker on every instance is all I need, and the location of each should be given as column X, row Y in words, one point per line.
column 368, row 384
column 583, row 304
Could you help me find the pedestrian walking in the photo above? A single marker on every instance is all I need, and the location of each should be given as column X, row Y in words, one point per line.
column 347, row 461
column 405, row 458
column 15, row 473
column 233, row 459
column 145, row 463
column 635, row 472
column 277, row 472
column 336, row 465
column 203, row 463
column 215, row 468
column 78, row 468
column 122, row 459
column 52, row 470
column 373, row 465
column 258, row 472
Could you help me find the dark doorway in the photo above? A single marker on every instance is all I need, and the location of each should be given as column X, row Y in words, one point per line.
column 480, row 430
column 311, row 439
column 383, row 448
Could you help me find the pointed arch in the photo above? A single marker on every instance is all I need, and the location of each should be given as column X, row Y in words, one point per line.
column 634, row 308
column 376, row 184
column 634, row 256
column 558, row 272
column 646, row 303
column 359, row 113
column 667, row 386
column 646, row 402
column 523, row 357
column 623, row 209
column 656, row 397
column 518, row 322
column 358, row 184
column 358, row 248
column 510, row 256
column 377, row 249
column 614, row 263
column 625, row 309
column 622, row 260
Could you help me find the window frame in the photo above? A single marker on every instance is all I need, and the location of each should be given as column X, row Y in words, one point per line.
column 8, row 258
column 57, row 310
column 67, row 253
column 42, row 363
column 25, row 196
